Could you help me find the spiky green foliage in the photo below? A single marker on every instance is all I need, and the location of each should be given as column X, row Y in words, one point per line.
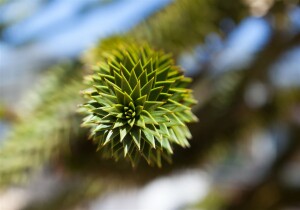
column 56, row 101
column 138, row 104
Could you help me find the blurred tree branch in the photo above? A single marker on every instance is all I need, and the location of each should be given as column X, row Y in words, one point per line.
column 270, row 193
column 237, row 111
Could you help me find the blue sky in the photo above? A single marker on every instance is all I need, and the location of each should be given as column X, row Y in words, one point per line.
column 40, row 32
column 77, row 24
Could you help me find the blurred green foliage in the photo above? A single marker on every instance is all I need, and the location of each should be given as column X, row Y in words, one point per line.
column 48, row 131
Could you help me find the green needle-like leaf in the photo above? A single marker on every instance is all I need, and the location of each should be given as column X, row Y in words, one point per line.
column 138, row 104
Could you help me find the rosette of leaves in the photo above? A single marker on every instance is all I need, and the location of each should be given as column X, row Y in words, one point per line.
column 138, row 104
